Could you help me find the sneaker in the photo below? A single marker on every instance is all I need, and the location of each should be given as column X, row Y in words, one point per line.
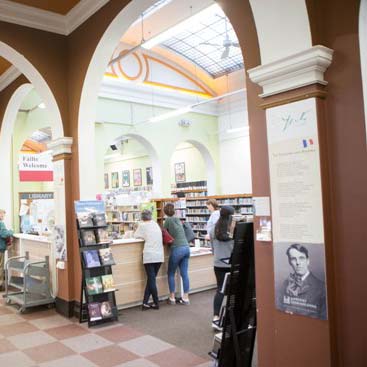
column 154, row 306
column 216, row 327
column 181, row 301
column 145, row 307
column 171, row 301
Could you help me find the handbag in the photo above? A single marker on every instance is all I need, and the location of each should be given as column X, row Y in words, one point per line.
column 167, row 238
column 9, row 241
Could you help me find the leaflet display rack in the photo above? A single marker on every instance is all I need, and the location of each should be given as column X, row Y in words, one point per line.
column 97, row 299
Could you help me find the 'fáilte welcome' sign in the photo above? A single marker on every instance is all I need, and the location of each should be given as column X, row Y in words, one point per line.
column 35, row 167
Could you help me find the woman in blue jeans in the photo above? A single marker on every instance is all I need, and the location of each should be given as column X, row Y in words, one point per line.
column 179, row 256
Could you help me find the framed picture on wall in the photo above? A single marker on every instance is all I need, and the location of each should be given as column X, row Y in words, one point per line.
column 149, row 173
column 115, row 180
column 126, row 178
column 106, row 183
column 137, row 177
column 180, row 172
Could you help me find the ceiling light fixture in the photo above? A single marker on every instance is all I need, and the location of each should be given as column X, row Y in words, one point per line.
column 42, row 106
column 179, row 27
column 238, row 129
column 165, row 116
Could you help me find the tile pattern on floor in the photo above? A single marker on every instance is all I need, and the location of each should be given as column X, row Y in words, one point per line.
column 45, row 339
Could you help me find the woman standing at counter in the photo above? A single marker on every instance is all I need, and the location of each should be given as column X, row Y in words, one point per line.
column 179, row 255
column 222, row 248
column 4, row 234
column 213, row 208
column 153, row 256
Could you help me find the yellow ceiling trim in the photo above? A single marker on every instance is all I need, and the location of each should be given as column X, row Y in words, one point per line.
column 184, row 90
column 185, row 75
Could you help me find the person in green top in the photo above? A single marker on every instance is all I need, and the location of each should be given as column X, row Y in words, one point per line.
column 4, row 234
column 179, row 255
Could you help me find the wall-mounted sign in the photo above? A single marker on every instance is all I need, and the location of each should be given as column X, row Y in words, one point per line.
column 296, row 201
column 35, row 167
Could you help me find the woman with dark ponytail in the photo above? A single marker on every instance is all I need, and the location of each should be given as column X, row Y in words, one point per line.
column 222, row 249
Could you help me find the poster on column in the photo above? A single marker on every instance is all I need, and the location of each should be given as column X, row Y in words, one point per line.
column 296, row 199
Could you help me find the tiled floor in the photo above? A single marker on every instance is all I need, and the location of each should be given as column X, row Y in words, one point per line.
column 47, row 339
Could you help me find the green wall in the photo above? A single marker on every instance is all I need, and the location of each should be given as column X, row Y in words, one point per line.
column 164, row 136
column 25, row 125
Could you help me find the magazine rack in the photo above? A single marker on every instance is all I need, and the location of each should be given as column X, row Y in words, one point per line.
column 99, row 306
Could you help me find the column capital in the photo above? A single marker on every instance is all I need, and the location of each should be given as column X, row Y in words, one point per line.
column 295, row 71
column 60, row 146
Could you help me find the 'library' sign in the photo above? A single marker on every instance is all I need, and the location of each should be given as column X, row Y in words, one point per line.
column 35, row 167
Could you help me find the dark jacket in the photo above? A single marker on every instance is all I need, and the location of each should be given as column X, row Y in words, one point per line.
column 4, row 233
column 307, row 298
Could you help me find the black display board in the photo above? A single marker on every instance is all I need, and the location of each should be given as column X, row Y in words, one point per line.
column 239, row 325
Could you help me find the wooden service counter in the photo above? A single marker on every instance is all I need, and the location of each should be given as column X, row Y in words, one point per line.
column 130, row 279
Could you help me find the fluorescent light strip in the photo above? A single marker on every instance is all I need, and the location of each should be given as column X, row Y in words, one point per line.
column 165, row 116
column 180, row 27
column 238, row 129
column 183, row 110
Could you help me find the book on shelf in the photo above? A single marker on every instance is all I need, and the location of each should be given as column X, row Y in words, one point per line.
column 85, row 219
column 106, row 309
column 89, row 237
column 106, row 256
column 107, row 282
column 94, row 310
column 91, row 258
column 102, row 235
column 100, row 219
column 94, row 285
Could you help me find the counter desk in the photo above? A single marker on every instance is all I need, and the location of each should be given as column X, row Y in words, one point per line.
column 130, row 279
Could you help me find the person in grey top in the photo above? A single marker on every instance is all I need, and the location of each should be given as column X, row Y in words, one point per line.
column 153, row 256
column 222, row 249
column 179, row 255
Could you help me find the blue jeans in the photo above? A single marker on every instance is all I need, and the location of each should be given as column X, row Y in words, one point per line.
column 179, row 257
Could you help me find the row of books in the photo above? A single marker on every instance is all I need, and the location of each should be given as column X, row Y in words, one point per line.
column 246, row 210
column 99, row 310
column 236, row 201
column 198, row 211
column 91, row 219
column 100, row 284
column 96, row 258
column 197, row 220
column 92, row 237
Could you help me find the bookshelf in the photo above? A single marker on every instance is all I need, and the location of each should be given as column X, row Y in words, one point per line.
column 190, row 189
column 97, row 299
column 122, row 218
column 195, row 211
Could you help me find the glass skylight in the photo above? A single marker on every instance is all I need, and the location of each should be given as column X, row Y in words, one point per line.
column 204, row 43
column 152, row 9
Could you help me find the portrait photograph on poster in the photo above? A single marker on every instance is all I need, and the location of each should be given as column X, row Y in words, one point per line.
column 115, row 180
column 149, row 173
column 180, row 172
column 106, row 183
column 300, row 279
column 126, row 178
column 137, row 177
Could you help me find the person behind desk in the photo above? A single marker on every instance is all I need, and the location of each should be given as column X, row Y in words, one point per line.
column 302, row 292
column 4, row 234
column 213, row 208
column 222, row 249
column 153, row 256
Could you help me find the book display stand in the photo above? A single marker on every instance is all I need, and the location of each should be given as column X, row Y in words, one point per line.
column 97, row 298
column 235, row 345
